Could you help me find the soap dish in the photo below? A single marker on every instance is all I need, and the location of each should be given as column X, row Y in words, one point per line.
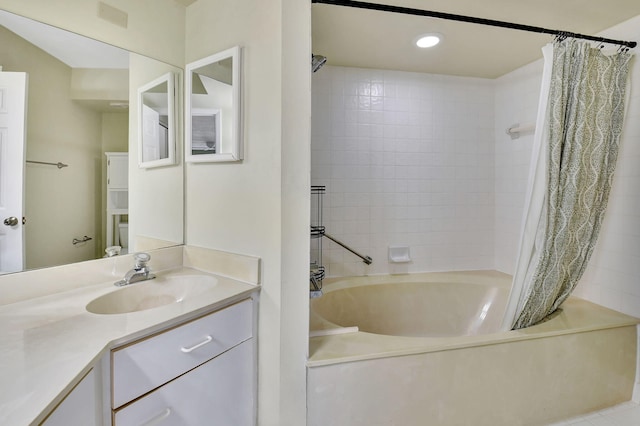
column 399, row 254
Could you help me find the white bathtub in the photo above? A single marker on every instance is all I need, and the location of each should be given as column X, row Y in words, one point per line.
column 421, row 305
column 424, row 349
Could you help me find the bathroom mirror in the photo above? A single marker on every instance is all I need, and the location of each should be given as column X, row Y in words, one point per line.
column 83, row 103
column 213, row 108
column 156, row 115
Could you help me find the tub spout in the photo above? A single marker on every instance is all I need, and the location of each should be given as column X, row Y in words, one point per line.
column 316, row 288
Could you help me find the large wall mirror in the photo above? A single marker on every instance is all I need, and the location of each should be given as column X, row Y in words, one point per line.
column 213, row 110
column 82, row 107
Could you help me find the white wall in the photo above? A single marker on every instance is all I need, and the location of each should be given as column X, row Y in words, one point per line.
column 407, row 159
column 155, row 194
column 259, row 206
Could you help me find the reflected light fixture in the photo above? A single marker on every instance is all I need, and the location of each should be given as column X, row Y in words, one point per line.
column 119, row 104
column 428, row 40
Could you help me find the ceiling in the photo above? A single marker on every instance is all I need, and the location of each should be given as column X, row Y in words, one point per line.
column 74, row 50
column 383, row 40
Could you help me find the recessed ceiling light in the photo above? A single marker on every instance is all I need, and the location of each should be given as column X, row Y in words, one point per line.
column 428, row 40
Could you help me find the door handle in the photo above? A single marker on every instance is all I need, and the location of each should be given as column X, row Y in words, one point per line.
column 11, row 221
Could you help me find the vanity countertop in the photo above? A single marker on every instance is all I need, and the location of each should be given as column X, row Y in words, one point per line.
column 48, row 343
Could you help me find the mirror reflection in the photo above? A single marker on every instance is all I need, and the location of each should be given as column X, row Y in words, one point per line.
column 78, row 93
column 156, row 118
column 205, row 131
column 213, row 119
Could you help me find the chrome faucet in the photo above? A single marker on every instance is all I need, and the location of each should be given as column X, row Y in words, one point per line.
column 141, row 272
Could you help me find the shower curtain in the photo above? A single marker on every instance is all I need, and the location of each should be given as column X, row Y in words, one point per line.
column 580, row 116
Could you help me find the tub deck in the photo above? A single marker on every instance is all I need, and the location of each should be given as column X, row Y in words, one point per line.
column 580, row 360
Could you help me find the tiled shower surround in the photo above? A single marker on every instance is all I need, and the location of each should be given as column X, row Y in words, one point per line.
column 516, row 103
column 407, row 159
column 423, row 160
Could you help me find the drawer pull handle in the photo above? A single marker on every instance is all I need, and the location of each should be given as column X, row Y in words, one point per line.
column 208, row 339
column 157, row 419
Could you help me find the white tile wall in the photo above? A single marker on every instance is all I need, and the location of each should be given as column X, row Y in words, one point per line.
column 407, row 159
column 516, row 103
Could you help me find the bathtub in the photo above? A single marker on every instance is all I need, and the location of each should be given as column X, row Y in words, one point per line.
column 425, row 349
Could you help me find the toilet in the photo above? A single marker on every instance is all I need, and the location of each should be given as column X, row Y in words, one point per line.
column 123, row 229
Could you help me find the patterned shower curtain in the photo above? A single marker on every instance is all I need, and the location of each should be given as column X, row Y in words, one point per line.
column 579, row 134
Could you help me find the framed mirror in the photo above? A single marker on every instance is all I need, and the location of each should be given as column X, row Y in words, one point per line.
column 156, row 115
column 213, row 110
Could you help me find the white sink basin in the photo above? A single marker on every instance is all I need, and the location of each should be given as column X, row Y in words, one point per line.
column 151, row 294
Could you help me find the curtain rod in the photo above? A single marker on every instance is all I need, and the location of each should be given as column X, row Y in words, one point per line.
column 471, row 19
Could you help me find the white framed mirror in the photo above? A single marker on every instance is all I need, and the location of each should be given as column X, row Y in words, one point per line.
column 213, row 108
column 157, row 130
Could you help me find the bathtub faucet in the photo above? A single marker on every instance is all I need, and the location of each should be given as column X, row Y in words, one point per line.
column 316, row 290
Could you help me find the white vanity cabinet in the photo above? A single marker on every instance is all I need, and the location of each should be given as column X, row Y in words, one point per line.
column 80, row 407
column 216, row 393
column 199, row 373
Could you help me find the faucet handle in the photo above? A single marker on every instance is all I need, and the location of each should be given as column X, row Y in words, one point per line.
column 141, row 259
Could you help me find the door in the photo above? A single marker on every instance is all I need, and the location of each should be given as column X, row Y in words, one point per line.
column 150, row 134
column 13, row 114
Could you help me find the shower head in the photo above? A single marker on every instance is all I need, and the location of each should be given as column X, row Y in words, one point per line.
column 317, row 61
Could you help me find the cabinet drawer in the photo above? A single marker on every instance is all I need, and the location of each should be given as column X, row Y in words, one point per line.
column 151, row 362
column 219, row 392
